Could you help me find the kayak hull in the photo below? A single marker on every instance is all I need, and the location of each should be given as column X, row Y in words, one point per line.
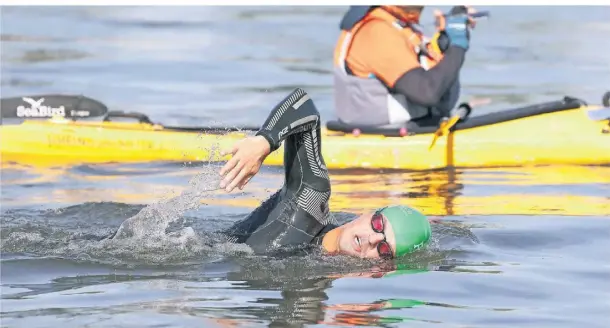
column 562, row 137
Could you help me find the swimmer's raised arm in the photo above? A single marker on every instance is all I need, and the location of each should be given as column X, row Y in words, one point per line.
column 294, row 114
column 298, row 212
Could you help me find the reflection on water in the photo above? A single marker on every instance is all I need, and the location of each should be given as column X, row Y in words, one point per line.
column 294, row 302
column 556, row 190
column 536, row 190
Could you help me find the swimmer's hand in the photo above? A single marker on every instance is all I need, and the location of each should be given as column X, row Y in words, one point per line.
column 248, row 156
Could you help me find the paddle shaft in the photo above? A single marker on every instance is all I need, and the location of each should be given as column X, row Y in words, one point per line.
column 476, row 15
column 479, row 14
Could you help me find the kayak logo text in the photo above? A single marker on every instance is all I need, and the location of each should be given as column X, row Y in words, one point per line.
column 37, row 109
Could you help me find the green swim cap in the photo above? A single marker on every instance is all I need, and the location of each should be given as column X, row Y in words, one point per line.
column 411, row 228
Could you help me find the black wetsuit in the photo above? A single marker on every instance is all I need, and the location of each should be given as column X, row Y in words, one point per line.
column 298, row 213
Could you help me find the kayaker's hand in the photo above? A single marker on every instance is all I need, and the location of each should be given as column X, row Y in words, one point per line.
column 456, row 26
column 248, row 156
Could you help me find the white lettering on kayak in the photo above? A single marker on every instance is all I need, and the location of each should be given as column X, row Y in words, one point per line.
column 37, row 109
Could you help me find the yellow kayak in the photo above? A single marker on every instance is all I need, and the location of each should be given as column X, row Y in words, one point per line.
column 558, row 132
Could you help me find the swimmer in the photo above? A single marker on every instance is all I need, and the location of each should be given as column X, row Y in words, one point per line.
column 298, row 213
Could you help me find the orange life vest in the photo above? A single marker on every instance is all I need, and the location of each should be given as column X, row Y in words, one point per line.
column 363, row 99
column 425, row 49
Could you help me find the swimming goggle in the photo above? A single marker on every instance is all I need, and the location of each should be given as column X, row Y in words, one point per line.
column 383, row 247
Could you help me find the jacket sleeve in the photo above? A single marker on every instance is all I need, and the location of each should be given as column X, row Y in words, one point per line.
column 427, row 87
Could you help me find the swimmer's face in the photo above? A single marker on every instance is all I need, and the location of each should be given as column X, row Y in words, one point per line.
column 359, row 238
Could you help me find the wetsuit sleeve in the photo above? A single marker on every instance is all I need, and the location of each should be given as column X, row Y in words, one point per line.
column 298, row 212
column 290, row 117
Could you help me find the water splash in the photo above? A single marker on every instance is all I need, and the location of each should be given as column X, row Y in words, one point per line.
column 154, row 220
column 150, row 227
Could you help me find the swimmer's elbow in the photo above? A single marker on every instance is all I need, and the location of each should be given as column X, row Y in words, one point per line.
column 311, row 116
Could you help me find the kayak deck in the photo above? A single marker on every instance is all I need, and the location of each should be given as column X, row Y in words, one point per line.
column 562, row 136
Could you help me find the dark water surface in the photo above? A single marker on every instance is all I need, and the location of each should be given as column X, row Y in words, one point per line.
column 513, row 246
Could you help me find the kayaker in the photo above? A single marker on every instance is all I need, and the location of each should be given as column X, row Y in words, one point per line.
column 386, row 71
column 298, row 213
